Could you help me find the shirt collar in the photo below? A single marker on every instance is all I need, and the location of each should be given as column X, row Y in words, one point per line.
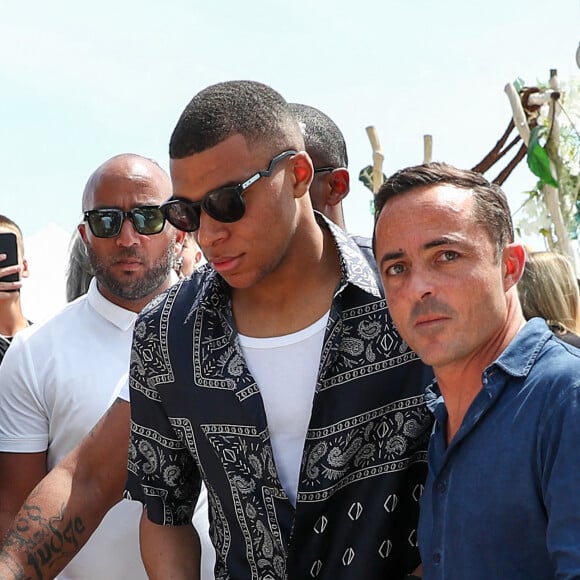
column 521, row 353
column 354, row 266
column 122, row 318
column 516, row 360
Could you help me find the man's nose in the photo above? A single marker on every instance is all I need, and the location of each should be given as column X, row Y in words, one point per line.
column 211, row 231
column 128, row 236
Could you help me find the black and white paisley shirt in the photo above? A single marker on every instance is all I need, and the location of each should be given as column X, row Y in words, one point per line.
column 197, row 415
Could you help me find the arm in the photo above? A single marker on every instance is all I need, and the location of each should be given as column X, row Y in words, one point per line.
column 64, row 509
column 169, row 552
column 19, row 473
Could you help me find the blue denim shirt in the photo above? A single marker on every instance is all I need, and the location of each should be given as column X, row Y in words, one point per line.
column 503, row 500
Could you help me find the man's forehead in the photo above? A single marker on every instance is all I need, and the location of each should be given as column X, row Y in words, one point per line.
column 429, row 213
column 229, row 161
column 125, row 186
column 432, row 203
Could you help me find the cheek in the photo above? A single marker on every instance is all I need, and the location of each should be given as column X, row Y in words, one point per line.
column 102, row 247
column 398, row 307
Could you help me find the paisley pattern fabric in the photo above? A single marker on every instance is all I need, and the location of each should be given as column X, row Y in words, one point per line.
column 197, row 415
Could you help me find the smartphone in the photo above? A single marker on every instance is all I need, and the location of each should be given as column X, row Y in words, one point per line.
column 9, row 246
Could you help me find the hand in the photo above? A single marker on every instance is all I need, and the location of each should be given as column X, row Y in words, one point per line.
column 7, row 288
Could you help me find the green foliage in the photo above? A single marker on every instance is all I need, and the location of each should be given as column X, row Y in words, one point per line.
column 538, row 160
column 519, row 84
column 366, row 176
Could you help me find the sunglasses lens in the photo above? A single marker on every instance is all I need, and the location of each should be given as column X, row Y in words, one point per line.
column 148, row 220
column 182, row 215
column 225, row 205
column 105, row 223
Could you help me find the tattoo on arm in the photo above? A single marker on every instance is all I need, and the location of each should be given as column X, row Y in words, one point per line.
column 44, row 542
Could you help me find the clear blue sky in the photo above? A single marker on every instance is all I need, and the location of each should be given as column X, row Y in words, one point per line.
column 81, row 82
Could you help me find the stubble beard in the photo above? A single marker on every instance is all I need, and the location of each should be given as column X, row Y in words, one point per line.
column 133, row 288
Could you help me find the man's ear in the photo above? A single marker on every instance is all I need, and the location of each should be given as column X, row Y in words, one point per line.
column 197, row 258
column 303, row 173
column 83, row 232
column 514, row 260
column 339, row 181
column 179, row 237
column 25, row 272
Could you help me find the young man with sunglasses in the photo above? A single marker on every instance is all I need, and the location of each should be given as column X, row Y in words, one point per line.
column 280, row 349
column 58, row 377
column 273, row 374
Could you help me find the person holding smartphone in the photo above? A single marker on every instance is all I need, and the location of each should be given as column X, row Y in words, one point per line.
column 13, row 267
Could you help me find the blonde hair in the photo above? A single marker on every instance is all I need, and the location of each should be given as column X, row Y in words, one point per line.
column 549, row 289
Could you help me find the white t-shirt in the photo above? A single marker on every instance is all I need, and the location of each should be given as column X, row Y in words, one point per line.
column 56, row 381
column 286, row 371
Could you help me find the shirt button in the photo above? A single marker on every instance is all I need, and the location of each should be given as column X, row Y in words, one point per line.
column 442, row 486
column 436, row 557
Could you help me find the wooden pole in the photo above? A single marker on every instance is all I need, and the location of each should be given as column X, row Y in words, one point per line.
column 552, row 194
column 427, row 148
column 378, row 158
column 518, row 114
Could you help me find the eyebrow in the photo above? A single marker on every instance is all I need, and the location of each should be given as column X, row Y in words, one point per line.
column 448, row 240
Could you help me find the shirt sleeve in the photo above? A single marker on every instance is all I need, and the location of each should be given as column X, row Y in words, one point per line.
column 162, row 474
column 560, row 476
column 121, row 390
column 24, row 426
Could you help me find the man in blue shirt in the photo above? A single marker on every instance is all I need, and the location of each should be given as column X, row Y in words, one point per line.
column 501, row 499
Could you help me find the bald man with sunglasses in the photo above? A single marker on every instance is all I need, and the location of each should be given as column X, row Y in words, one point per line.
column 59, row 377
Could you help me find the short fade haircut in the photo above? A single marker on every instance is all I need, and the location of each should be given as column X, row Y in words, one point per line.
column 490, row 209
column 322, row 137
column 248, row 108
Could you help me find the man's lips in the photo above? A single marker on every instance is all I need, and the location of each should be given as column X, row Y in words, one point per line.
column 129, row 264
column 425, row 321
column 224, row 263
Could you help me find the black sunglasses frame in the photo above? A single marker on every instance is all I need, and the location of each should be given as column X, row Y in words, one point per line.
column 132, row 214
column 192, row 209
column 323, row 169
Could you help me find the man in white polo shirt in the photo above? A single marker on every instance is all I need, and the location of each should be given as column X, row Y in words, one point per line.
column 59, row 377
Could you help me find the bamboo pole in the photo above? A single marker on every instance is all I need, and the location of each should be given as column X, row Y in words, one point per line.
column 378, row 158
column 427, row 148
column 552, row 194
column 518, row 114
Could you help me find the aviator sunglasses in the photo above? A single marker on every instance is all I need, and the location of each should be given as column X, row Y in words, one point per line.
column 107, row 222
column 225, row 204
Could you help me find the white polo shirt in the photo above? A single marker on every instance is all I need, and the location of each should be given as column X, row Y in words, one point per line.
column 56, row 381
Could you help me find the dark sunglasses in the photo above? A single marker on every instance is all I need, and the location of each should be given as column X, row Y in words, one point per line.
column 107, row 223
column 324, row 169
column 225, row 204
